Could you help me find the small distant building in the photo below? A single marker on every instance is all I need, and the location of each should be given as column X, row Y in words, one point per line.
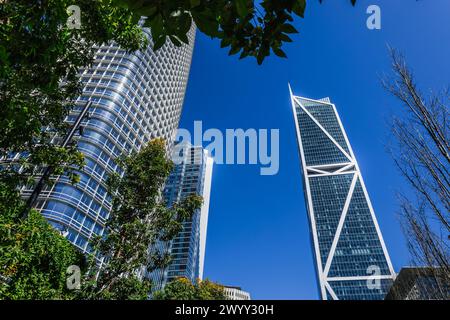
column 420, row 283
column 236, row 293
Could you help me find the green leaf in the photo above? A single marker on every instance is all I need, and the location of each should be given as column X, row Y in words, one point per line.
column 244, row 54
column 146, row 10
column 135, row 18
column 206, row 23
column 156, row 26
column 195, row 3
column 288, row 28
column 159, row 42
column 284, row 37
column 3, row 55
column 185, row 23
column 183, row 37
column 242, row 9
column 299, row 8
column 279, row 52
column 121, row 3
column 135, row 4
column 234, row 50
column 175, row 40
column 263, row 52
column 225, row 42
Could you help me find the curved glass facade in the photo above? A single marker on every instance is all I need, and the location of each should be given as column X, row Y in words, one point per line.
column 135, row 97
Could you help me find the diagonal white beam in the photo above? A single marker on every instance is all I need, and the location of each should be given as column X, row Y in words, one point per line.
column 316, row 170
column 340, row 225
column 315, row 101
column 323, row 129
column 331, row 291
column 345, row 168
column 310, row 210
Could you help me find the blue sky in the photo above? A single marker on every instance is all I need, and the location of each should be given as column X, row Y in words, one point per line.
column 258, row 234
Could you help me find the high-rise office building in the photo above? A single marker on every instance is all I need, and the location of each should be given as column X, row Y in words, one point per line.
column 135, row 97
column 192, row 175
column 352, row 262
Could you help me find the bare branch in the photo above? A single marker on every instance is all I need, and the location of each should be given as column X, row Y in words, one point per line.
column 421, row 152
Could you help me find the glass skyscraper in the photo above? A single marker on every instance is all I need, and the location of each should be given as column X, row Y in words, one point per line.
column 352, row 262
column 192, row 175
column 135, row 97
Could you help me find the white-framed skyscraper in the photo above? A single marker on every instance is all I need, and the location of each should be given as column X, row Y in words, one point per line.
column 352, row 262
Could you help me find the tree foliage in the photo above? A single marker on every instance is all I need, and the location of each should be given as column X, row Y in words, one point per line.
column 245, row 26
column 39, row 61
column 139, row 218
column 183, row 289
column 422, row 154
column 40, row 57
column 34, row 259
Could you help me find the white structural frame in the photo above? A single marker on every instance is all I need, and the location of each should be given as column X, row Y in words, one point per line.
column 350, row 167
column 204, row 212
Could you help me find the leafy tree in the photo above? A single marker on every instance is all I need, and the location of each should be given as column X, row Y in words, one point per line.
column 34, row 259
column 207, row 290
column 33, row 256
column 183, row 289
column 139, row 218
column 40, row 56
column 421, row 151
column 253, row 29
column 39, row 60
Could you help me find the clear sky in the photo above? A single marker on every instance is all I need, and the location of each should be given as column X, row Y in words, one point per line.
column 258, row 234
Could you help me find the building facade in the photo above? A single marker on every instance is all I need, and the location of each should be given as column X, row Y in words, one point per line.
column 236, row 293
column 192, row 174
column 352, row 262
column 420, row 283
column 135, row 97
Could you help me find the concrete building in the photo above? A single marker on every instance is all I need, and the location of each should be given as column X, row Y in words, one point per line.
column 236, row 293
column 420, row 283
